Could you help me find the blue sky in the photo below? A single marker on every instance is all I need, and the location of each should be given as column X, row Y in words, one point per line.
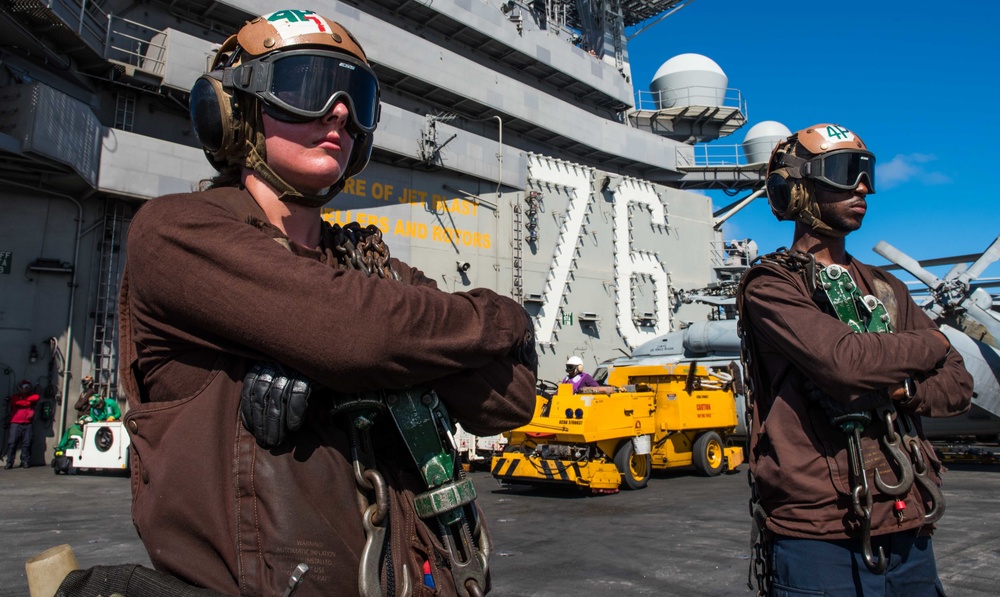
column 916, row 80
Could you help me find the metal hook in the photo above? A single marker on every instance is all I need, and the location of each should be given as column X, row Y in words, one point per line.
column 368, row 579
column 891, row 441
column 369, row 584
column 863, row 511
column 876, row 565
column 937, row 500
column 920, row 470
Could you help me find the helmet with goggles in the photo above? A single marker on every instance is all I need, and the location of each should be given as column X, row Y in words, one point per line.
column 828, row 156
column 294, row 66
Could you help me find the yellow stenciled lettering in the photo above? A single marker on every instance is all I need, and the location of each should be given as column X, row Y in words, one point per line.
column 455, row 235
column 374, row 220
column 407, row 195
column 410, row 229
column 349, row 186
column 335, row 216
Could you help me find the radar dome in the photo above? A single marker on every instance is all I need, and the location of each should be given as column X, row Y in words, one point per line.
column 761, row 139
column 689, row 80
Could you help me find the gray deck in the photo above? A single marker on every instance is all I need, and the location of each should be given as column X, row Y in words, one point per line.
column 682, row 535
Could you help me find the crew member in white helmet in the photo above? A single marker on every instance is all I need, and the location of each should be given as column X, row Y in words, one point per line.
column 577, row 376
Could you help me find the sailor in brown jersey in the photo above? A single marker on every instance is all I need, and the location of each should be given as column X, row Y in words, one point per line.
column 845, row 483
column 264, row 351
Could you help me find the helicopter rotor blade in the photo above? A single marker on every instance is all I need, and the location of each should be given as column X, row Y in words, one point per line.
column 991, row 323
column 976, row 269
column 956, row 270
column 907, row 263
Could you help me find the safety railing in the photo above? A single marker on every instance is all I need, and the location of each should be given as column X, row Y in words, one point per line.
column 85, row 18
column 136, row 44
column 707, row 154
column 114, row 38
column 733, row 253
column 695, row 95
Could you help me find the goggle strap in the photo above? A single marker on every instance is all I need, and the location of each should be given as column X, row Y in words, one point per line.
column 794, row 164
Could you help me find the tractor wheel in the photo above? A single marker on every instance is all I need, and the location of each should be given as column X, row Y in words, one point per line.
column 708, row 456
column 62, row 464
column 635, row 468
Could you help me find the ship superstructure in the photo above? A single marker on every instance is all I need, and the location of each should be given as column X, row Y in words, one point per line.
column 514, row 152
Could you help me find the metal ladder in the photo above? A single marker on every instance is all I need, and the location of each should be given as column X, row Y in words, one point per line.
column 124, row 111
column 617, row 25
column 104, row 353
column 517, row 272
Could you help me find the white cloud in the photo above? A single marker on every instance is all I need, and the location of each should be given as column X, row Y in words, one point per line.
column 904, row 168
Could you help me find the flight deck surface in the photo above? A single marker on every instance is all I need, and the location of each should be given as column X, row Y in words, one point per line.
column 683, row 535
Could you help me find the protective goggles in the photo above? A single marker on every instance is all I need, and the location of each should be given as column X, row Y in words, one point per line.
column 842, row 169
column 302, row 85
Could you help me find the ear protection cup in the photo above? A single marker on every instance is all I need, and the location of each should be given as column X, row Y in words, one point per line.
column 212, row 114
column 779, row 196
column 787, row 199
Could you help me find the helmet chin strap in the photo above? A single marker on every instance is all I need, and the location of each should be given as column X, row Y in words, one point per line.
column 810, row 214
column 256, row 160
column 819, row 226
column 288, row 193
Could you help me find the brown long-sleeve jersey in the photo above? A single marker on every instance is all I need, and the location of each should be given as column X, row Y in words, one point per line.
column 207, row 292
column 798, row 458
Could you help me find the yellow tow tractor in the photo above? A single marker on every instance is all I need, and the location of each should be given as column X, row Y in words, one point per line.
column 646, row 417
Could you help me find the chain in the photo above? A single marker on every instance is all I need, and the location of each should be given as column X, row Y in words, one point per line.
column 361, row 413
column 759, row 572
column 912, row 443
column 795, row 261
column 449, row 500
column 362, row 249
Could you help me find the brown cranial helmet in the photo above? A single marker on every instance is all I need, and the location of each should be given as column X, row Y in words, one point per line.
column 294, row 65
column 829, row 155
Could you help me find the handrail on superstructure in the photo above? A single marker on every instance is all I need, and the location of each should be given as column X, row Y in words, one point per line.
column 146, row 54
column 116, row 39
column 694, row 95
column 705, row 154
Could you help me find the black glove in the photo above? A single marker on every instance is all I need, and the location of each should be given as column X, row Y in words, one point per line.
column 526, row 352
column 273, row 402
